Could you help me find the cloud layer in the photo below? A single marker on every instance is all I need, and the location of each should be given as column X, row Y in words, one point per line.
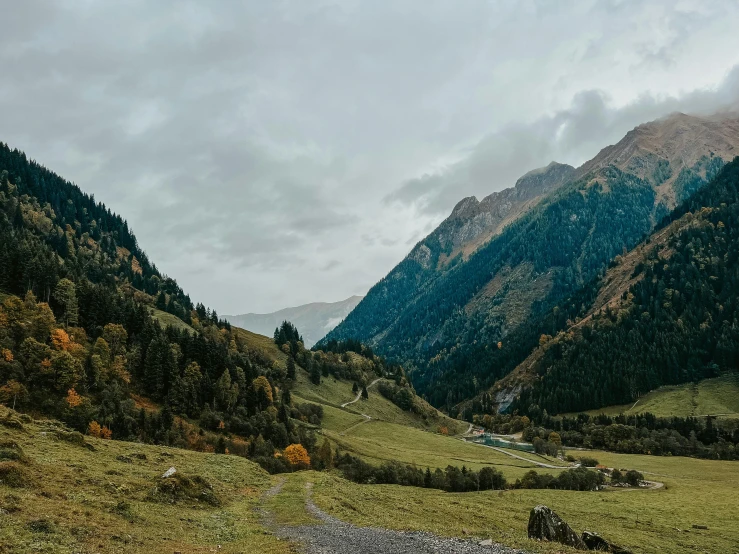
column 269, row 154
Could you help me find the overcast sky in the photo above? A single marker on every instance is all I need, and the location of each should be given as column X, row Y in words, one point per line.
column 274, row 153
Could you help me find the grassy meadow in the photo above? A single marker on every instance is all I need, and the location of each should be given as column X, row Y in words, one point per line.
column 58, row 496
column 719, row 396
column 657, row 521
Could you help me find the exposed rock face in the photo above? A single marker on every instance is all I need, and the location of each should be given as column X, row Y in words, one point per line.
column 545, row 525
column 658, row 151
column 472, row 222
column 595, row 542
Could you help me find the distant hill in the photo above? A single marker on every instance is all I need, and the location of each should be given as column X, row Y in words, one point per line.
column 313, row 320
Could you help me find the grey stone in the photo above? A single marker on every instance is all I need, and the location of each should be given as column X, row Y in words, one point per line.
column 595, row 542
column 545, row 525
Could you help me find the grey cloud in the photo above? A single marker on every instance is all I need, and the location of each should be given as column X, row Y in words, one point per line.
column 572, row 135
column 257, row 147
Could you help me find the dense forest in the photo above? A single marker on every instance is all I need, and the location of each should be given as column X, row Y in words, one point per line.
column 453, row 352
column 78, row 341
column 678, row 323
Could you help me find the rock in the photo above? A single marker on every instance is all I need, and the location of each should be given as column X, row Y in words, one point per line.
column 544, row 524
column 486, row 542
column 700, row 526
column 171, row 471
column 595, row 542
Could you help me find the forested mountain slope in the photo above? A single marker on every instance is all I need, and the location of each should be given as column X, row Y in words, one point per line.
column 664, row 314
column 461, row 329
column 78, row 341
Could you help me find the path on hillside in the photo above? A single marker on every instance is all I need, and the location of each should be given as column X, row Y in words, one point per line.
column 345, row 404
column 357, row 424
column 333, row 536
column 512, row 455
column 653, row 485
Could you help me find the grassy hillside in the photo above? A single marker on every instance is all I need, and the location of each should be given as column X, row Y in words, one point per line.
column 98, row 496
column 377, row 442
column 334, row 392
column 718, row 396
column 697, row 492
column 170, row 320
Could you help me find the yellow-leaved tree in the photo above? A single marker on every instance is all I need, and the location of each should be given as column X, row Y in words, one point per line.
column 297, row 455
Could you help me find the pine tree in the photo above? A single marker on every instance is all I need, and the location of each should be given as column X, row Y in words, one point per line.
column 315, row 374
column 365, row 394
column 66, row 296
column 290, row 368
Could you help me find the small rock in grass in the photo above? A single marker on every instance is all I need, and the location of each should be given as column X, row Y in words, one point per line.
column 171, row 471
column 544, row 524
column 595, row 542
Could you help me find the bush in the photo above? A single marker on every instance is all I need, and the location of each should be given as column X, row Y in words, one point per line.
column 74, row 437
column 11, row 451
column 588, row 462
column 41, row 526
column 394, row 473
column 13, row 475
column 633, row 478
column 578, row 479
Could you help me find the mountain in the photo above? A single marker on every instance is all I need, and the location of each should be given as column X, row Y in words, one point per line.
column 313, row 320
column 665, row 313
column 82, row 339
column 450, row 309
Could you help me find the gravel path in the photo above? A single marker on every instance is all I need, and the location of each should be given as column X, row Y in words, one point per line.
column 512, row 455
column 333, row 536
column 345, row 404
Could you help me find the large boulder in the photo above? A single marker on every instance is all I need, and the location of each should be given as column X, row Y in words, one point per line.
column 545, row 525
column 595, row 542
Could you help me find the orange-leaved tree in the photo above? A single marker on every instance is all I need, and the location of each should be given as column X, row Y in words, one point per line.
column 297, row 455
column 96, row 430
column 73, row 399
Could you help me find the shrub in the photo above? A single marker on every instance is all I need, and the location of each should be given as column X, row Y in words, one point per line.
column 13, row 475
column 394, row 473
column 297, row 456
column 41, row 526
column 588, row 462
column 578, row 479
column 633, row 477
column 74, row 437
column 11, row 451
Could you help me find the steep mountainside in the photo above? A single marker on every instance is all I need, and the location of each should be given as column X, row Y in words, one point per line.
column 452, row 328
column 665, row 313
column 314, row 320
column 81, row 337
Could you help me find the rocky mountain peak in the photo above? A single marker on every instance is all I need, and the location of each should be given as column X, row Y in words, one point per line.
column 679, row 139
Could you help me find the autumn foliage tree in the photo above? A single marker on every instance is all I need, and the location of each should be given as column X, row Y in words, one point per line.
column 297, row 456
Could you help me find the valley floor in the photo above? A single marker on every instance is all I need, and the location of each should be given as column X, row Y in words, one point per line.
column 57, row 495
column 328, row 534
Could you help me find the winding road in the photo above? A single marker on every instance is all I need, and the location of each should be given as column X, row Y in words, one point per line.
column 512, row 455
column 649, row 484
column 345, row 404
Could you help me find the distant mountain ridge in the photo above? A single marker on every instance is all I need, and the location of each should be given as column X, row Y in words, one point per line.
column 313, row 320
column 447, row 308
